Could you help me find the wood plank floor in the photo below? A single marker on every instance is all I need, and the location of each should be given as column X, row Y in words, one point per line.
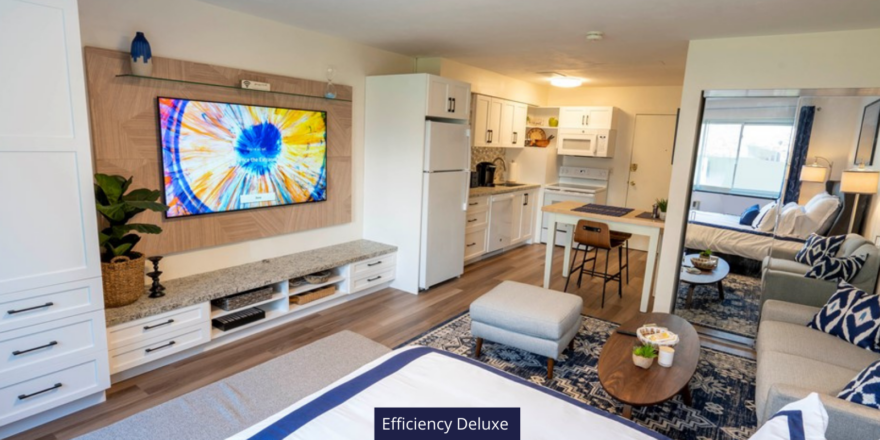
column 390, row 317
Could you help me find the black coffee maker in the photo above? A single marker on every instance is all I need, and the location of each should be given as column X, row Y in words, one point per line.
column 486, row 174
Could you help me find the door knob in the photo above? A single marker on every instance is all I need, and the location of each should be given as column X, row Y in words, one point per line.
column 632, row 183
column 634, row 167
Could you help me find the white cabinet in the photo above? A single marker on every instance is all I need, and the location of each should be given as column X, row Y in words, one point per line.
column 50, row 269
column 498, row 122
column 476, row 227
column 523, row 219
column 597, row 118
column 500, row 222
column 447, row 98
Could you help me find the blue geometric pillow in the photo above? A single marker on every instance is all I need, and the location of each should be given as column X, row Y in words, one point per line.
column 865, row 387
column 851, row 315
column 818, row 247
column 834, row 269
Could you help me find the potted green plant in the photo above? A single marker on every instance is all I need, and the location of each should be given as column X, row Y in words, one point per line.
column 123, row 268
column 707, row 253
column 643, row 355
column 661, row 206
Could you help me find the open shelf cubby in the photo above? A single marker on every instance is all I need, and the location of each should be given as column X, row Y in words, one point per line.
column 198, row 83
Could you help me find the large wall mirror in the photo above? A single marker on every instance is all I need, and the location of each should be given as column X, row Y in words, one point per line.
column 772, row 169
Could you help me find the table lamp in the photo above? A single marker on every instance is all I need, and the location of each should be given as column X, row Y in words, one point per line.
column 815, row 172
column 859, row 181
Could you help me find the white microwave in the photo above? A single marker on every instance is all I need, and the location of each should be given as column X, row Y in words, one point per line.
column 586, row 142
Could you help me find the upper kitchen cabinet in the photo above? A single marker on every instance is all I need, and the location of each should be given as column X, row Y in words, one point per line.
column 448, row 98
column 597, row 118
column 498, row 122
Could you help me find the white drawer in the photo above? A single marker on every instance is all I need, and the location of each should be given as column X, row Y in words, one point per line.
column 373, row 265
column 376, row 279
column 476, row 219
column 46, row 390
column 476, row 204
column 474, row 243
column 138, row 331
column 45, row 304
column 51, row 342
column 132, row 355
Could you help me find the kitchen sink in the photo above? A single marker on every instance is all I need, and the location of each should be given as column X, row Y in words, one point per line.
column 510, row 184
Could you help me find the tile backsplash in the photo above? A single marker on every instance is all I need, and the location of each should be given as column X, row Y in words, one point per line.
column 487, row 154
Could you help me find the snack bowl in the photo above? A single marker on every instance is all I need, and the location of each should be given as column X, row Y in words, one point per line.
column 657, row 336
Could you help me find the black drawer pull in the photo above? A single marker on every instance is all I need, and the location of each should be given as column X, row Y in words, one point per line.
column 21, row 352
column 472, row 244
column 472, row 220
column 448, row 105
column 473, row 204
column 370, row 280
column 150, row 327
column 453, row 105
column 28, row 396
column 374, row 264
column 48, row 304
column 150, row 350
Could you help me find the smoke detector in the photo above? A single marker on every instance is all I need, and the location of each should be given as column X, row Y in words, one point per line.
column 595, row 36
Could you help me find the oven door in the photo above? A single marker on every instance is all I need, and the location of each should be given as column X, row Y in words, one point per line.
column 563, row 232
column 575, row 142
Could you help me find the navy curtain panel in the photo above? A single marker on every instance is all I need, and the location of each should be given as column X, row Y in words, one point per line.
column 799, row 153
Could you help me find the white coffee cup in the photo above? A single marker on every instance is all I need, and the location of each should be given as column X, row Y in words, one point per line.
column 666, row 355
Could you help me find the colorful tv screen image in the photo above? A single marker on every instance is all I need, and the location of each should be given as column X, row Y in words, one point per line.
column 220, row 157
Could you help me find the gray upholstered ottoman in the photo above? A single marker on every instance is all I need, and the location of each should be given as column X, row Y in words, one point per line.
column 527, row 317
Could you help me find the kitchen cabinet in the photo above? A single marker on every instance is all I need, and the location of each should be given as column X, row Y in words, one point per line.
column 448, row 98
column 498, row 122
column 498, row 222
column 597, row 118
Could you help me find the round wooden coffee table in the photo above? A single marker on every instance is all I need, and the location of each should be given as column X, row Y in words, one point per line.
column 636, row 386
column 714, row 276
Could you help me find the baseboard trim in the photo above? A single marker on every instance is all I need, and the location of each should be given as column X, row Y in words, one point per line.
column 50, row 415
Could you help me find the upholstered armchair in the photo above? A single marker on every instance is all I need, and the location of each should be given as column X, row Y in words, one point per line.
column 783, row 277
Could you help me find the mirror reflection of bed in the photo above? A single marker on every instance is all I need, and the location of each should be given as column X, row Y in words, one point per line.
column 769, row 173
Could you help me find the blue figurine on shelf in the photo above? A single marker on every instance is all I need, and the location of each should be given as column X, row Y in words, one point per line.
column 141, row 56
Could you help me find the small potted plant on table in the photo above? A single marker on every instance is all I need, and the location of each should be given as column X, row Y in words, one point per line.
column 121, row 267
column 661, row 206
column 643, row 355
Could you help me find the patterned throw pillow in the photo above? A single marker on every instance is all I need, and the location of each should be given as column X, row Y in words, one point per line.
column 837, row 269
column 851, row 315
column 865, row 387
column 805, row 419
column 818, row 247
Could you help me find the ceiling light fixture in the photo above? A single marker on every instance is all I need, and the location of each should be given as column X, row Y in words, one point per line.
column 595, row 35
column 566, row 81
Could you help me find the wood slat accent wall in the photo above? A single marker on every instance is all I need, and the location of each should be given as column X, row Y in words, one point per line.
column 125, row 140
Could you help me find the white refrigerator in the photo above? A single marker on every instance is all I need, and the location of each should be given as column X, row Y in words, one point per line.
column 445, row 184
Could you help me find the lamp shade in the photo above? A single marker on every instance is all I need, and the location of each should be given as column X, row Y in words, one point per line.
column 811, row 173
column 859, row 182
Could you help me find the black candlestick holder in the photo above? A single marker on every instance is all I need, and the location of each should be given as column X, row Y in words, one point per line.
column 156, row 290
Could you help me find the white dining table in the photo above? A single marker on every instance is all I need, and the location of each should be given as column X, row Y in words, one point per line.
column 563, row 213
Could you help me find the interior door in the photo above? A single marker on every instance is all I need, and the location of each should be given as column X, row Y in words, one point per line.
column 651, row 164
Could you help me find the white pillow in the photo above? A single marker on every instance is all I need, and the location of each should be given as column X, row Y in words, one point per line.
column 815, row 200
column 803, row 226
column 808, row 414
column 821, row 210
column 769, row 220
column 765, row 210
column 790, row 213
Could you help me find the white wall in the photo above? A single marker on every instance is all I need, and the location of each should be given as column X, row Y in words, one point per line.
column 631, row 101
column 821, row 60
column 194, row 31
column 485, row 82
column 725, row 203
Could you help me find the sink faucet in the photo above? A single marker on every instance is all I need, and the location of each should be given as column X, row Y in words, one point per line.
column 503, row 167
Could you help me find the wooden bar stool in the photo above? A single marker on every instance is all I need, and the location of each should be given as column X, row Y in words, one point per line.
column 595, row 235
column 623, row 236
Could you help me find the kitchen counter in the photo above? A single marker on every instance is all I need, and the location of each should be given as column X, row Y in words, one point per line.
column 494, row 190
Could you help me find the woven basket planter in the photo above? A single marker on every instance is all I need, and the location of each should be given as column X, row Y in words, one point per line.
column 123, row 280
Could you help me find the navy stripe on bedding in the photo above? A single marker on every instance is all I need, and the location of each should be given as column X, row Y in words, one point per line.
column 301, row 416
column 749, row 231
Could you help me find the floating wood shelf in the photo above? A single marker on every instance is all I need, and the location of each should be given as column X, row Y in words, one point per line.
column 197, row 83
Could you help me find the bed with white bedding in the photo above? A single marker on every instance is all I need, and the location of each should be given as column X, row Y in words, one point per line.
column 425, row 377
column 723, row 233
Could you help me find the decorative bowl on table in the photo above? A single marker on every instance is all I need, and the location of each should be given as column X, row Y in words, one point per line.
column 705, row 263
column 319, row 277
column 657, row 336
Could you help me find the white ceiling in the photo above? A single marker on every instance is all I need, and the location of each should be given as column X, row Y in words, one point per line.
column 646, row 40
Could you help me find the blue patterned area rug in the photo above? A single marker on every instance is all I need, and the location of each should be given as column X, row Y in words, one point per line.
column 737, row 314
column 723, row 387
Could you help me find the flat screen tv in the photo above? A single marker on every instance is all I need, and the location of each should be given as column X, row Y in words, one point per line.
column 221, row 157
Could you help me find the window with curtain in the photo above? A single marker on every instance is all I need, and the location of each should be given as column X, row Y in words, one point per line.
column 743, row 158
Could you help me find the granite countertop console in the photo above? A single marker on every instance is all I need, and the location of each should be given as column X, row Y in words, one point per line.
column 195, row 289
column 493, row 190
